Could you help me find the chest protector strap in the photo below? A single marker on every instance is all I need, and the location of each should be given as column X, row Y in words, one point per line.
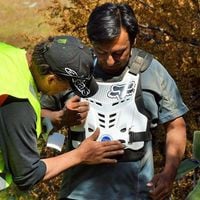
column 139, row 62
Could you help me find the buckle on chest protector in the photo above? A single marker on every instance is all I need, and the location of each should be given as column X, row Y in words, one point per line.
column 139, row 136
column 136, row 148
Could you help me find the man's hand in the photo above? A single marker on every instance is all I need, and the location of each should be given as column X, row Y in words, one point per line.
column 160, row 187
column 93, row 152
column 75, row 112
column 161, row 184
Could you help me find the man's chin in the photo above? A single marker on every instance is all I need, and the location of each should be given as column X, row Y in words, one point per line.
column 112, row 71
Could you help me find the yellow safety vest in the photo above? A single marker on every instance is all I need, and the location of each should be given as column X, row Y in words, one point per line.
column 16, row 80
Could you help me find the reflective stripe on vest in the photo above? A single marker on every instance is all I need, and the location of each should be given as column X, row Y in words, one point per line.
column 17, row 81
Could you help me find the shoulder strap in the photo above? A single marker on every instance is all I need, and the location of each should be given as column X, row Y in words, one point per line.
column 139, row 61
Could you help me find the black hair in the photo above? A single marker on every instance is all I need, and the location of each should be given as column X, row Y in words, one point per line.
column 106, row 21
column 38, row 58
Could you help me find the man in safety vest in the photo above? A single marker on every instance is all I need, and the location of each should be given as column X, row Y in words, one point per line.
column 57, row 64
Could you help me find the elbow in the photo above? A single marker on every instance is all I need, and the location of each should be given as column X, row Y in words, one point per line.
column 25, row 183
column 27, row 180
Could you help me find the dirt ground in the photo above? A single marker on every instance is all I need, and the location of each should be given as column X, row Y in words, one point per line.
column 21, row 17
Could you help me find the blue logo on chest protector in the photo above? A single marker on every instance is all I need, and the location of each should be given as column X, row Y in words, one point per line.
column 105, row 138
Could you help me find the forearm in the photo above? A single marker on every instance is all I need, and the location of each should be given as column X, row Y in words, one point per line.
column 58, row 164
column 175, row 145
column 89, row 152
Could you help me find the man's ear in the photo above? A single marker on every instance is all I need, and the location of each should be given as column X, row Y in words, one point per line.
column 133, row 43
column 51, row 78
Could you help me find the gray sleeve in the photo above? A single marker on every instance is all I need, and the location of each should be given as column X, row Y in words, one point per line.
column 48, row 102
column 18, row 142
column 55, row 102
column 170, row 104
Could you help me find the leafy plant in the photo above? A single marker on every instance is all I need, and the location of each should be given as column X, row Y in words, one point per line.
column 190, row 164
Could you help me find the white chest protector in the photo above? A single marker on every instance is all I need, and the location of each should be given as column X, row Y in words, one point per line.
column 117, row 109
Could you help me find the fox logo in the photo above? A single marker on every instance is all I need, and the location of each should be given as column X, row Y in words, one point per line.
column 121, row 91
